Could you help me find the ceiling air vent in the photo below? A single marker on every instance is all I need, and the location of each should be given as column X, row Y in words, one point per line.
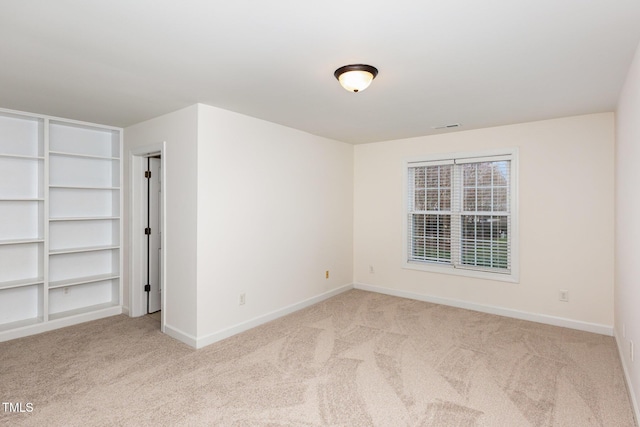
column 451, row 126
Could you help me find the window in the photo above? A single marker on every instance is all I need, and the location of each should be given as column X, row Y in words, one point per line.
column 461, row 215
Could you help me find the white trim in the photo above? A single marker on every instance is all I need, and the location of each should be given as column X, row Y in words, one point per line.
column 460, row 271
column 257, row 321
column 462, row 155
column 184, row 337
column 507, row 155
column 58, row 119
column 136, row 225
column 632, row 396
column 419, row 164
column 50, row 325
column 500, row 311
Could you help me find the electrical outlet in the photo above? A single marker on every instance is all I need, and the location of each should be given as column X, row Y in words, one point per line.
column 242, row 299
column 564, row 295
column 631, row 350
column 326, row 274
column 371, row 270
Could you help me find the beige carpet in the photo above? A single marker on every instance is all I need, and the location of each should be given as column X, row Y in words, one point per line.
column 156, row 316
column 358, row 359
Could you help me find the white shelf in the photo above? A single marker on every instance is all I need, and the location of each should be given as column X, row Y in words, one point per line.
column 20, row 264
column 83, row 280
column 20, row 324
column 83, row 234
column 20, row 304
column 20, row 241
column 83, row 310
column 84, row 140
column 60, row 230
column 21, row 177
column 80, row 155
column 84, row 172
column 86, row 218
column 20, row 156
column 81, row 187
column 21, row 136
column 81, row 250
column 78, row 202
column 22, row 283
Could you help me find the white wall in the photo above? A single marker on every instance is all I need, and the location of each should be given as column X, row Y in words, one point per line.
column 627, row 244
column 179, row 130
column 275, row 211
column 566, row 221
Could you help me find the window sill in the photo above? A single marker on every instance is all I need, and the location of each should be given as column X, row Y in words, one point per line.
column 512, row 277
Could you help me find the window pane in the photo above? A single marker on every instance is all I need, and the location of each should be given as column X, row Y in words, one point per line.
column 485, row 174
column 501, row 173
column 484, row 200
column 469, row 174
column 432, row 200
column 444, row 226
column 469, row 199
column 500, row 200
column 431, row 238
column 419, row 203
column 431, row 225
column 445, row 176
column 485, row 187
column 432, row 188
column 445, row 200
column 419, row 178
column 485, row 241
column 418, row 225
column 444, row 249
column 432, row 176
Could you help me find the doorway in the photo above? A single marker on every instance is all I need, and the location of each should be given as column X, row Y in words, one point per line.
column 147, row 257
column 153, row 231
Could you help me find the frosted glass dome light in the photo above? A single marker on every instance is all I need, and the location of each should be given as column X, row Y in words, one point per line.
column 356, row 77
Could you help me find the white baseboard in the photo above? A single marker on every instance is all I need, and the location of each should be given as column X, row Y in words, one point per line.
column 507, row 312
column 632, row 396
column 226, row 333
column 38, row 328
column 176, row 333
column 203, row 341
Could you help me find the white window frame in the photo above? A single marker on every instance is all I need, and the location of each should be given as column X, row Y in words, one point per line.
column 464, row 157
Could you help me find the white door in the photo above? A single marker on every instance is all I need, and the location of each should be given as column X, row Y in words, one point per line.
column 155, row 238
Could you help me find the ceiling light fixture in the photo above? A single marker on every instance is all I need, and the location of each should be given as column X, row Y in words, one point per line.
column 356, row 77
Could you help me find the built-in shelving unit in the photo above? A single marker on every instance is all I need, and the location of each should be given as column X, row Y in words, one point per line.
column 60, row 231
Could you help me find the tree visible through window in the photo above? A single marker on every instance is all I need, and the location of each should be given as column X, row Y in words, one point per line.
column 460, row 213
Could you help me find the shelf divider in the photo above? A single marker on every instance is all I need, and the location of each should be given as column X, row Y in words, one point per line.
column 80, row 187
column 83, row 249
column 22, row 283
column 86, row 218
column 20, row 156
column 21, row 241
column 83, row 280
column 84, row 156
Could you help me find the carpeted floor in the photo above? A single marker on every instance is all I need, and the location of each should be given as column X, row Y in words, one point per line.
column 358, row 359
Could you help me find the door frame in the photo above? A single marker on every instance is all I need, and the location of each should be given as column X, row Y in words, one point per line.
column 137, row 224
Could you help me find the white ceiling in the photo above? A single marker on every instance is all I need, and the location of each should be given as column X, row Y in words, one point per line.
column 478, row 63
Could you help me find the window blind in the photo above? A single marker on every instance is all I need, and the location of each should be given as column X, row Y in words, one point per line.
column 459, row 213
